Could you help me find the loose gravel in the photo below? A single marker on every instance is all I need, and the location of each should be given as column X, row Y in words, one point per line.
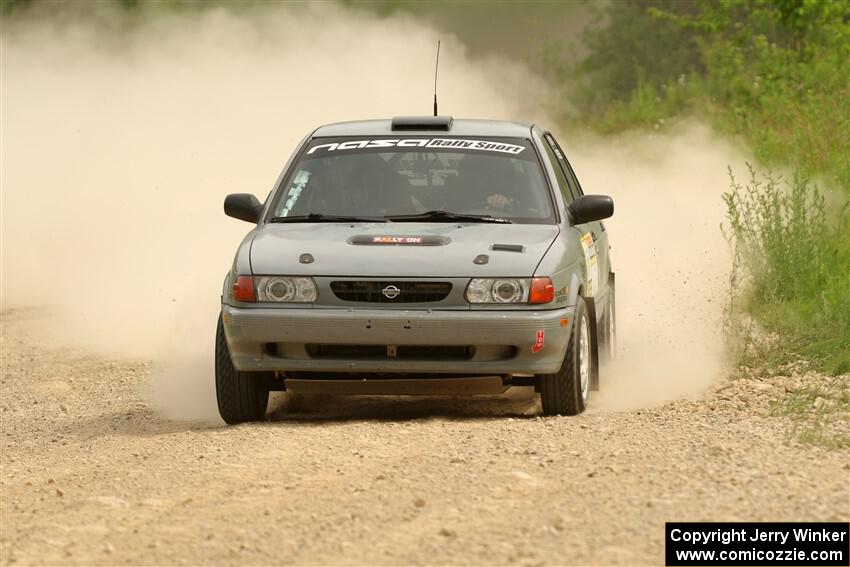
column 91, row 475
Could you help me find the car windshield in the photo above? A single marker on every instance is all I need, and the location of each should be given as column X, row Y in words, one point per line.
column 402, row 177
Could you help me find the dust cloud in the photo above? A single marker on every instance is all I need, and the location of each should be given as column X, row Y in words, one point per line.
column 671, row 261
column 120, row 139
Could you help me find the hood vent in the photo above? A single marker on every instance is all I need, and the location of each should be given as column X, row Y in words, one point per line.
column 507, row 248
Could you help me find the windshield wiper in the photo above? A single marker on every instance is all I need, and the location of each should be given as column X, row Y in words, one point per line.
column 318, row 217
column 441, row 216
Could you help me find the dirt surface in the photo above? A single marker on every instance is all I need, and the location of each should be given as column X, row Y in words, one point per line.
column 91, row 475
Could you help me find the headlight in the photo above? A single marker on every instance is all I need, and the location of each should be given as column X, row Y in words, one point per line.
column 277, row 289
column 502, row 290
column 510, row 290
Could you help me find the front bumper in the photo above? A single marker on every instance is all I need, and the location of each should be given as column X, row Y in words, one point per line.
column 498, row 342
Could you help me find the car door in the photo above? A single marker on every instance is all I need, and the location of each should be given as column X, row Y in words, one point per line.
column 594, row 237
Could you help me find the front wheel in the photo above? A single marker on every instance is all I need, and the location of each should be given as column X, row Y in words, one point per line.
column 242, row 396
column 565, row 391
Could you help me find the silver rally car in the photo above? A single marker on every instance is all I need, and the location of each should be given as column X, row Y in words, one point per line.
column 418, row 255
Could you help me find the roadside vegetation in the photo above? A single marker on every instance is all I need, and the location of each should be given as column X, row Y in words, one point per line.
column 774, row 74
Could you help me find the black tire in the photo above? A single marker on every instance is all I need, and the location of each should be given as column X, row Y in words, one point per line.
column 561, row 392
column 608, row 334
column 590, row 304
column 242, row 396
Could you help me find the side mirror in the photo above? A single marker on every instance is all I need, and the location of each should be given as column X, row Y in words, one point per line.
column 588, row 208
column 243, row 206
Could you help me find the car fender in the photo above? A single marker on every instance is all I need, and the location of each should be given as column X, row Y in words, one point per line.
column 564, row 263
column 241, row 265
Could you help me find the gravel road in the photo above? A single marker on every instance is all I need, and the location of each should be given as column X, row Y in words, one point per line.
column 92, row 476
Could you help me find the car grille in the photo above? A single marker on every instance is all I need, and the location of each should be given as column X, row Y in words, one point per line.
column 385, row 291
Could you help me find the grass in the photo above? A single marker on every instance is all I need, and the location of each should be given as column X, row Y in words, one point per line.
column 792, row 265
column 819, row 413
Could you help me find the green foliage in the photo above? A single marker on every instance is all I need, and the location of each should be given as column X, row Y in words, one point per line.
column 14, row 8
column 775, row 73
column 9, row 6
column 783, row 84
column 630, row 52
column 777, row 236
column 649, row 105
column 797, row 263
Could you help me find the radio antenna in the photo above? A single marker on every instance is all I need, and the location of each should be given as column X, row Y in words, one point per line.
column 436, row 68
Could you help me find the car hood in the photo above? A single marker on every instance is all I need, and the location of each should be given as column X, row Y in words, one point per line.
column 276, row 249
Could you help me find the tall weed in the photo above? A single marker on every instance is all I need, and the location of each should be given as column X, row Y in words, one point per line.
column 794, row 262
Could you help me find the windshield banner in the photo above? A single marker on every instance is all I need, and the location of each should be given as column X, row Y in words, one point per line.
column 412, row 143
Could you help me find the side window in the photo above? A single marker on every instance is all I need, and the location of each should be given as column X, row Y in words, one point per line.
column 563, row 184
column 568, row 169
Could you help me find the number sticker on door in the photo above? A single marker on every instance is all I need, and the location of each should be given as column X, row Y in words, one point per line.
column 591, row 262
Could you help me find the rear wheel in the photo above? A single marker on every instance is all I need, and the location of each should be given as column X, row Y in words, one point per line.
column 565, row 391
column 242, row 396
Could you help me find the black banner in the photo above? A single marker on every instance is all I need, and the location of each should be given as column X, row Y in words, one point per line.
column 757, row 543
